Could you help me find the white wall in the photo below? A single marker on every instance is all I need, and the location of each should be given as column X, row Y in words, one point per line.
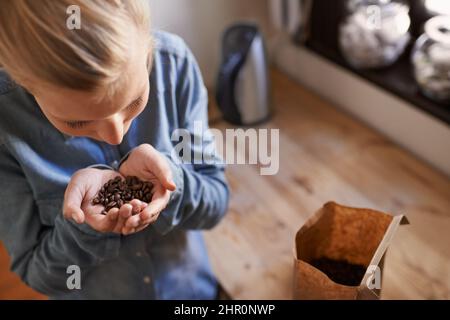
column 408, row 126
column 201, row 23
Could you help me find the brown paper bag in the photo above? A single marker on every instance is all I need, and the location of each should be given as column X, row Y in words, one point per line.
column 346, row 241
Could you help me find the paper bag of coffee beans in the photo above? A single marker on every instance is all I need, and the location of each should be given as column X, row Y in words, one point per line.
column 339, row 253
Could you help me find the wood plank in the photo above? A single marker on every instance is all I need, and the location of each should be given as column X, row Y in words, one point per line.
column 326, row 155
column 11, row 287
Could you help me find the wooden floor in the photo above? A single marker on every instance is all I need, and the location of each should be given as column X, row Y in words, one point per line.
column 324, row 155
column 10, row 285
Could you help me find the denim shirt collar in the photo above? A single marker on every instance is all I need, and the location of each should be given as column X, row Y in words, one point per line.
column 66, row 136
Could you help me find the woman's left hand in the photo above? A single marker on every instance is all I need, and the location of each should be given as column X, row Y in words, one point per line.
column 146, row 163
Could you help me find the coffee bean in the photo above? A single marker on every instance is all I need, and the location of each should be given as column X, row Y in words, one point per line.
column 116, row 192
column 136, row 186
column 340, row 271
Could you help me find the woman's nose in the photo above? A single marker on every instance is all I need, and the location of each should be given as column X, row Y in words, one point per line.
column 111, row 130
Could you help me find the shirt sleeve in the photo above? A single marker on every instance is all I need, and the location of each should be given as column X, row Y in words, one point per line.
column 41, row 252
column 202, row 194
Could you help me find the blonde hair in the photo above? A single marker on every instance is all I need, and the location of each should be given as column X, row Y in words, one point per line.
column 35, row 42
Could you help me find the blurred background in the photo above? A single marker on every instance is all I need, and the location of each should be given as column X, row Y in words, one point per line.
column 360, row 93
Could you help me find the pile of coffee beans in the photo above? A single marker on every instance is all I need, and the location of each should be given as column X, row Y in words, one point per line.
column 340, row 271
column 118, row 191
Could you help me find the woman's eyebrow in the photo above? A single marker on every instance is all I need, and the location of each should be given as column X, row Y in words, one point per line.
column 133, row 102
column 129, row 105
column 137, row 99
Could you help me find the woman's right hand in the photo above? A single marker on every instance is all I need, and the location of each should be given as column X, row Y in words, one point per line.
column 82, row 188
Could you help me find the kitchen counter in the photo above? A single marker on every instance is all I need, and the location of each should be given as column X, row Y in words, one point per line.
column 327, row 155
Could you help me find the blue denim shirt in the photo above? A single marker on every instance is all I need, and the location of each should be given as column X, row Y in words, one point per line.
column 167, row 260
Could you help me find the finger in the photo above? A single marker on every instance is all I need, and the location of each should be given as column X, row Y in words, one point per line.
column 142, row 227
column 113, row 214
column 161, row 169
column 121, row 219
column 73, row 197
column 159, row 202
column 150, row 220
column 136, row 222
column 99, row 222
column 75, row 213
column 137, row 205
column 125, row 211
column 133, row 221
column 127, row 231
